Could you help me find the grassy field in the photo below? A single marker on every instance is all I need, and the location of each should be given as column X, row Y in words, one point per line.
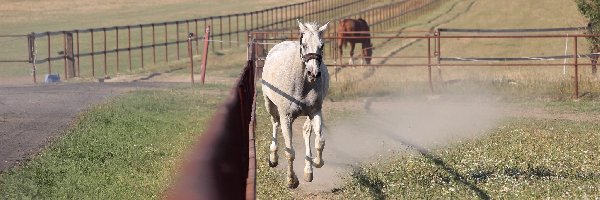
column 523, row 158
column 549, row 155
column 126, row 148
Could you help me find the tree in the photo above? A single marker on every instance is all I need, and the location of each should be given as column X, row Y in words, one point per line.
column 591, row 10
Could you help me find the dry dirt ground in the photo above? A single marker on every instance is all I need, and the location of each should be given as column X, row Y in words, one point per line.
column 32, row 115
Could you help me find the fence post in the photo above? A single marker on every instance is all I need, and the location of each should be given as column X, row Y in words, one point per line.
column 50, row 60
column 129, row 45
column 166, row 43
column 439, row 54
column 78, row 69
column 177, row 34
column 117, row 51
column 105, row 67
column 69, row 55
column 429, row 62
column 191, row 55
column 575, row 65
column 153, row 44
column 64, row 54
column 32, row 55
column 221, row 31
column 142, row 45
column 205, row 52
column 93, row 61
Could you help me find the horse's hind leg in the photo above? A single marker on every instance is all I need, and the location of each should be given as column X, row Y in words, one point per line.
column 317, row 126
column 308, row 170
column 286, row 128
column 272, row 110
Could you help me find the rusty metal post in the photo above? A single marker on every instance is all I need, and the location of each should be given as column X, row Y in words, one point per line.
column 205, row 52
column 49, row 55
column 32, row 55
column 237, row 28
column 229, row 29
column 129, row 45
column 177, row 38
column 105, row 67
column 93, row 61
column 69, row 55
column 429, row 64
column 212, row 44
column 153, row 44
column 196, row 38
column 575, row 65
column 117, row 41
column 78, row 69
column 221, row 31
column 166, row 43
column 142, row 44
column 65, row 55
column 439, row 54
column 191, row 55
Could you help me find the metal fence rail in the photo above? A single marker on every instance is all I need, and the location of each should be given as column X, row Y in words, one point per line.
column 113, row 50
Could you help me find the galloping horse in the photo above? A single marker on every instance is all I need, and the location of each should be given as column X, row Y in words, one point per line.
column 355, row 28
column 295, row 82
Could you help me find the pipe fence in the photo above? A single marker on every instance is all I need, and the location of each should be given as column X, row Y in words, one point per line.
column 113, row 50
column 429, row 49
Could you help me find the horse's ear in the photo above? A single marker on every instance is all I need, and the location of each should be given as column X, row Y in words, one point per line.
column 302, row 26
column 322, row 28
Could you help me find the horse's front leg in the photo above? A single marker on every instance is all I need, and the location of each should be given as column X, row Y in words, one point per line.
column 341, row 53
column 308, row 170
column 286, row 129
column 351, row 61
column 317, row 126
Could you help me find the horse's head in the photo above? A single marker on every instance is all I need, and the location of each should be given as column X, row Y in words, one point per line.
column 311, row 49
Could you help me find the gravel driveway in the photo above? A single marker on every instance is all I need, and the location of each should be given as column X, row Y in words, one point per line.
column 30, row 116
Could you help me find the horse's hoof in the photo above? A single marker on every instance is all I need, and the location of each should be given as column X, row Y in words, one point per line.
column 293, row 182
column 308, row 177
column 273, row 164
column 318, row 163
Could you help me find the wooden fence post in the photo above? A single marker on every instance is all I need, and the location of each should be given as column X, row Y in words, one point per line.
column 70, row 56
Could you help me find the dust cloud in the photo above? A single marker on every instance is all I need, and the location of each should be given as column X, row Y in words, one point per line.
column 392, row 126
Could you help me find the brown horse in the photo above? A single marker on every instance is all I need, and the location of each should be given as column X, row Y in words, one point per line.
column 355, row 28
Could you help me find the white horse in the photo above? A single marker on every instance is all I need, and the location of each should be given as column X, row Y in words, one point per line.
column 295, row 82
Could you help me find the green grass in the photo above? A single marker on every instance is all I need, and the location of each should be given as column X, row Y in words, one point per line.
column 523, row 159
column 127, row 148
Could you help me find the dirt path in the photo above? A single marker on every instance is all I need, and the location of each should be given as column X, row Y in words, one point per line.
column 30, row 116
column 389, row 127
column 396, row 126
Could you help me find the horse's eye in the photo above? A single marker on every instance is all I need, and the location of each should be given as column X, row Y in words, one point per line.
column 304, row 46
